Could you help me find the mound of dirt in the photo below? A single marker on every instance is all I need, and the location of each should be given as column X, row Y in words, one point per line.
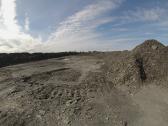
column 149, row 46
column 154, row 59
column 146, row 63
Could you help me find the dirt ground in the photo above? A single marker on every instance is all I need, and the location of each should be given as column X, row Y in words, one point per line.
column 74, row 91
column 152, row 101
column 105, row 89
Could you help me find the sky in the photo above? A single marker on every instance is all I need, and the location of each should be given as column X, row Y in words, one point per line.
column 80, row 25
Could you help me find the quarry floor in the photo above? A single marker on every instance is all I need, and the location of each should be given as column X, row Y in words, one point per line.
column 60, row 92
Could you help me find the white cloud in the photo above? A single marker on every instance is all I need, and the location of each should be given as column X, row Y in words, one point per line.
column 149, row 33
column 78, row 32
column 163, row 24
column 26, row 26
column 17, row 45
column 8, row 15
column 11, row 37
column 151, row 20
column 145, row 14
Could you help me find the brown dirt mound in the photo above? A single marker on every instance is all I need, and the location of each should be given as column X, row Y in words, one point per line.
column 147, row 62
column 154, row 57
column 149, row 46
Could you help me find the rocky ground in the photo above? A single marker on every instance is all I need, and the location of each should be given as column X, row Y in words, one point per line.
column 128, row 88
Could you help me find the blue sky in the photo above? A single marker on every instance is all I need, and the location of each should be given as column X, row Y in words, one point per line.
column 80, row 25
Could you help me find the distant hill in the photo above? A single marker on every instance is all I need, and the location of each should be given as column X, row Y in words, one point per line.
column 16, row 58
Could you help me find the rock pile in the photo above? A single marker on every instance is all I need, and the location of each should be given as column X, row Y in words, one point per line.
column 147, row 62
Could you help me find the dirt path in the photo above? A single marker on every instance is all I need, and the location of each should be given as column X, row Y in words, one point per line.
column 153, row 102
column 85, row 65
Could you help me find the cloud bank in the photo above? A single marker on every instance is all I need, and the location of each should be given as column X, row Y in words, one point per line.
column 78, row 32
column 12, row 39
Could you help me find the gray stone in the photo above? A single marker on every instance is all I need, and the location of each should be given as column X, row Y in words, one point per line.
column 154, row 47
column 42, row 112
